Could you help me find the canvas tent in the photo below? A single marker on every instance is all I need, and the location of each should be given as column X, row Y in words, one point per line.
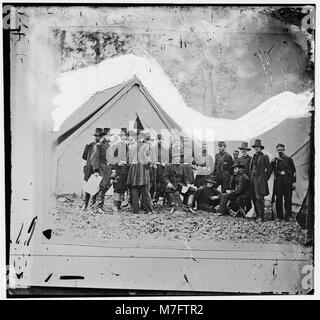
column 124, row 106
column 140, row 90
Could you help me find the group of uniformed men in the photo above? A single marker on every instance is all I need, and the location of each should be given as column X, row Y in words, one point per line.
column 144, row 178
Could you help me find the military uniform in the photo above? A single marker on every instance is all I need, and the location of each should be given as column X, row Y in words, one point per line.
column 222, row 168
column 87, row 152
column 260, row 172
column 100, row 165
column 203, row 198
column 238, row 196
column 88, row 169
column 121, row 168
column 245, row 160
column 161, row 157
column 284, row 175
column 179, row 175
column 138, row 178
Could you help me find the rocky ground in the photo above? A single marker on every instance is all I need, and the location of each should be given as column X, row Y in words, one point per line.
column 69, row 220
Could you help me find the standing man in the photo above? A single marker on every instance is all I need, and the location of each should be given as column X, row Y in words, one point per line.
column 204, row 166
column 222, row 167
column 245, row 160
column 285, row 175
column 149, row 145
column 138, row 178
column 87, row 169
column 260, row 172
column 235, row 155
column 121, row 168
column 160, row 165
column 101, row 167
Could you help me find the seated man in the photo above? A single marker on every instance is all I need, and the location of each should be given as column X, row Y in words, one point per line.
column 208, row 197
column 177, row 179
column 238, row 196
column 160, row 187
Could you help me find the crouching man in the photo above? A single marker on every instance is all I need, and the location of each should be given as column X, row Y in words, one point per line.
column 208, row 197
column 233, row 201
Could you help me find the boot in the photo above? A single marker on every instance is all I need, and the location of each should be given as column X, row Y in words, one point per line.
column 100, row 201
column 93, row 201
column 191, row 210
column 190, row 201
column 241, row 213
column 213, row 210
column 231, row 212
column 260, row 209
column 173, row 209
column 85, row 201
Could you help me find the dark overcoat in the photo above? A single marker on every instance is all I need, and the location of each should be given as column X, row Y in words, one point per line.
column 242, row 186
column 99, row 163
column 180, row 174
column 86, row 155
column 245, row 160
column 259, row 181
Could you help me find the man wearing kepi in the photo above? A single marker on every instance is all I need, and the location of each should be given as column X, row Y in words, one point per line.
column 161, row 160
column 260, row 172
column 101, row 167
column 245, row 160
column 235, row 155
column 238, row 196
column 87, row 169
column 222, row 167
column 285, row 175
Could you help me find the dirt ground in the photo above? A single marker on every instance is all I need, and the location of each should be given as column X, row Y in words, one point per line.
column 69, row 220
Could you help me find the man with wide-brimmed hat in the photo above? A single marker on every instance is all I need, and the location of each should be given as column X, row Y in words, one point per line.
column 87, row 169
column 236, row 197
column 101, row 167
column 208, row 197
column 245, row 158
column 222, row 167
column 260, row 172
column 285, row 175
